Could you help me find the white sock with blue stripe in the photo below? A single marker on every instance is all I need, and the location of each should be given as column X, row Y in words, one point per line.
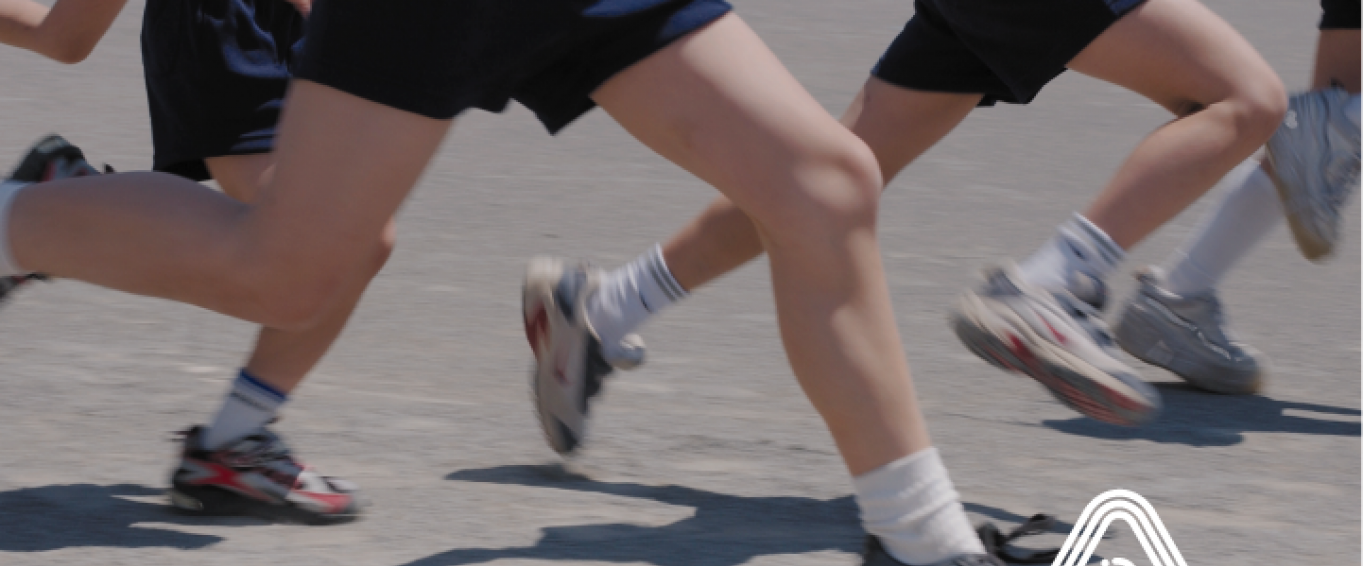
column 250, row 405
column 632, row 293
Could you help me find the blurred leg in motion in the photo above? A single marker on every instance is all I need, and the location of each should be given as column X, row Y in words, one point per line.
column 1176, row 321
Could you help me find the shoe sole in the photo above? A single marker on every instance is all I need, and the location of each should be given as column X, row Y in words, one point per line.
column 540, row 313
column 1072, row 381
column 1127, row 335
column 216, row 502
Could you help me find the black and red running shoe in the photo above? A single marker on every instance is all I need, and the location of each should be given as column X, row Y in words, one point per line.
column 257, row 476
column 10, row 283
column 50, row 159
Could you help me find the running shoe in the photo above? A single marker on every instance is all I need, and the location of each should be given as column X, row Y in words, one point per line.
column 1056, row 339
column 258, row 476
column 876, row 555
column 998, row 547
column 1314, row 159
column 11, row 283
column 1187, row 335
column 50, row 159
column 570, row 362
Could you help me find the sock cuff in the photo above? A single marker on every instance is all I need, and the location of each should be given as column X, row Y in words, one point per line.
column 258, row 390
column 657, row 268
column 8, row 190
column 922, row 465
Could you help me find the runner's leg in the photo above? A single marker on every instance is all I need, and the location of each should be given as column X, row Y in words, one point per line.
column 1337, row 60
column 282, row 261
column 898, row 124
column 719, row 104
column 283, row 358
column 1228, row 101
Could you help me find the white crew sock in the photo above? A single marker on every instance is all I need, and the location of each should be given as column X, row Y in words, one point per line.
column 8, row 190
column 912, row 507
column 631, row 294
column 250, row 405
column 1078, row 246
column 1250, row 210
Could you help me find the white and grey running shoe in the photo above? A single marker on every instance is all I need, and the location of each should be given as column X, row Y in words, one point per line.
column 1056, row 339
column 876, row 555
column 1187, row 336
column 998, row 548
column 570, row 363
column 1314, row 157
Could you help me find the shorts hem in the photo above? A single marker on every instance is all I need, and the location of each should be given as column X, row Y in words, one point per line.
column 577, row 95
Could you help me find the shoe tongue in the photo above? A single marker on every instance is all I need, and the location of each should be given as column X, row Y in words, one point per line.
column 1089, row 289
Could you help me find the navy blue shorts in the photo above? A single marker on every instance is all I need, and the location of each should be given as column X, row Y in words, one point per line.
column 439, row 58
column 216, row 73
column 1006, row 50
column 1340, row 14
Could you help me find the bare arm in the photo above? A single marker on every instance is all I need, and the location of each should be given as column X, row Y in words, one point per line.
column 67, row 32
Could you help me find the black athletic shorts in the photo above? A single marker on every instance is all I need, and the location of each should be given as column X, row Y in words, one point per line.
column 439, row 58
column 1005, row 49
column 216, row 73
column 1340, row 14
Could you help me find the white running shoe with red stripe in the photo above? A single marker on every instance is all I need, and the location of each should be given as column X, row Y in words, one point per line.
column 1056, row 339
column 570, row 363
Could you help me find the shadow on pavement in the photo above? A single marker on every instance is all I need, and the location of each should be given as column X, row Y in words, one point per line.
column 1197, row 418
column 726, row 530
column 85, row 515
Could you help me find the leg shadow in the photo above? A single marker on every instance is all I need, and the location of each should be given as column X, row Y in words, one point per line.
column 1197, row 418
column 726, row 530
column 84, row 515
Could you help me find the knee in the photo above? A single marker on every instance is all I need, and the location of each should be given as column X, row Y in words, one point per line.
column 283, row 288
column 1258, row 108
column 831, row 192
column 291, row 303
column 383, row 249
column 298, row 302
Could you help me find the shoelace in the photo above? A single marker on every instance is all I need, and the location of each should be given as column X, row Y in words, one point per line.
column 997, row 544
column 1220, row 336
column 1088, row 319
column 1218, row 315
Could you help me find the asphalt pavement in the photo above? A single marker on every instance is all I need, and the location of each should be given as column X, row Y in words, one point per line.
column 709, row 455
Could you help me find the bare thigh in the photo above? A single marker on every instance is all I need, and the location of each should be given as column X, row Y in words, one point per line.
column 336, row 185
column 1179, row 54
column 725, row 109
column 1337, row 60
column 900, row 124
column 241, row 176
